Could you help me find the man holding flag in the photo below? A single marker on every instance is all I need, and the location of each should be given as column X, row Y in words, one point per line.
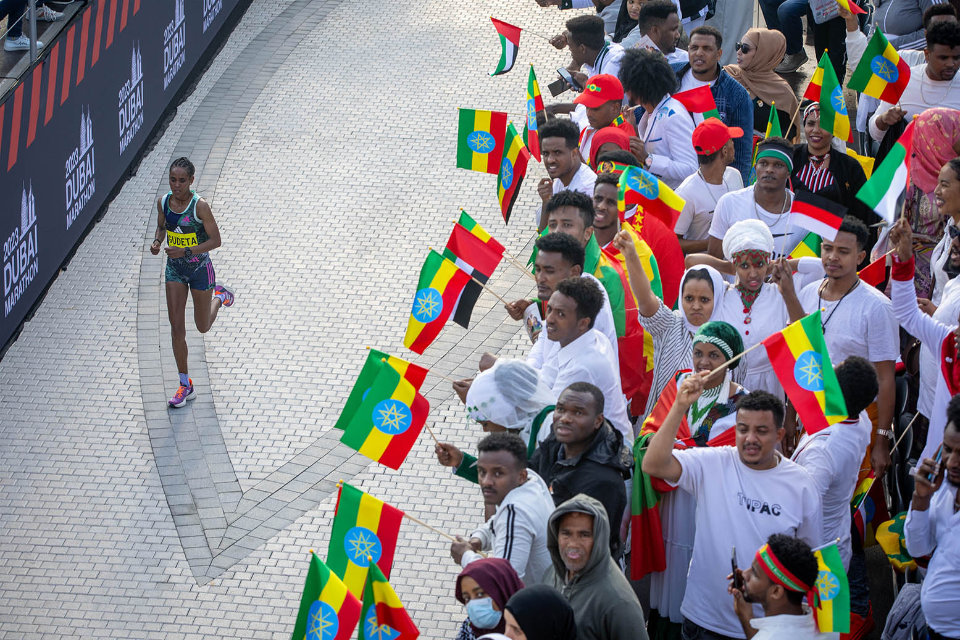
column 931, row 84
column 857, row 320
column 744, row 495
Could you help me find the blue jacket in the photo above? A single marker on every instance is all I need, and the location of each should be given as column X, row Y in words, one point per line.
column 736, row 110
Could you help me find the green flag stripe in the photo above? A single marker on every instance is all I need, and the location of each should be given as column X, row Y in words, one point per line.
column 834, row 404
column 873, row 191
column 367, row 375
column 362, row 423
column 864, row 71
column 345, row 519
column 467, row 124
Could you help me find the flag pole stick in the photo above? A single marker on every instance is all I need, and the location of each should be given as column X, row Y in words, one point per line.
column 733, row 359
column 486, row 288
column 905, row 431
column 441, row 375
column 432, row 434
column 516, row 263
column 431, row 528
column 534, row 33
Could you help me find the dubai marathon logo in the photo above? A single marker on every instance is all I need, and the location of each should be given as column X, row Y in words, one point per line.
column 20, row 264
column 80, row 167
column 130, row 108
column 174, row 43
column 211, row 8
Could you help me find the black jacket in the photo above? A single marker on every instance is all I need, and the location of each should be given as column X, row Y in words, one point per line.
column 599, row 472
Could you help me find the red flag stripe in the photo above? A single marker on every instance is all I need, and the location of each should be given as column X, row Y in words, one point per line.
column 451, row 293
column 400, row 445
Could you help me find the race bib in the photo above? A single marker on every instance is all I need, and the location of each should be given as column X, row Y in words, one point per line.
column 182, row 239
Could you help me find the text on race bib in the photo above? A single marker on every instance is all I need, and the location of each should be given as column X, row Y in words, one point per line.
column 181, row 239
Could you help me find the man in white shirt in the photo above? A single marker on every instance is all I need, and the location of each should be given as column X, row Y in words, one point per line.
column 931, row 84
column 559, row 146
column 713, row 142
column 517, row 532
column 768, row 200
column 585, row 354
column 782, row 572
column 933, row 527
column 857, row 320
column 659, row 22
column 833, row 455
column 744, row 495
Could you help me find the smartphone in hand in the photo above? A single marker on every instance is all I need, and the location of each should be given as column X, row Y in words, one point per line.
column 737, row 576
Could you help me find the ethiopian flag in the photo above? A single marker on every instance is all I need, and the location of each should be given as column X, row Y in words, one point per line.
column 441, row 283
column 363, row 528
column 800, row 360
column 646, row 529
column 376, row 360
column 809, row 247
column 480, row 140
column 531, row 137
column 831, row 596
column 639, row 186
column 388, row 420
column 699, row 100
column 827, row 90
column 882, row 73
column 383, row 616
column 513, row 168
column 509, row 45
column 891, row 539
column 889, row 180
column 327, row 609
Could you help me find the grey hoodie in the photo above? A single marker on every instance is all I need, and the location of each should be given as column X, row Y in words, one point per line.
column 605, row 606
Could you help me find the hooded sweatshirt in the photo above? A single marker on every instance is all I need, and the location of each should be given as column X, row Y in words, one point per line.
column 604, row 604
column 598, row 472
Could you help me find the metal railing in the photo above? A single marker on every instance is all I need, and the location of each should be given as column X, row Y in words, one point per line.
column 31, row 15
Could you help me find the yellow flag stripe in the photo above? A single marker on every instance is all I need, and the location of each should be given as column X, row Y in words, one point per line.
column 383, row 592
column 825, row 614
column 399, row 364
column 334, row 592
column 439, row 282
column 378, row 441
column 482, row 123
column 368, row 515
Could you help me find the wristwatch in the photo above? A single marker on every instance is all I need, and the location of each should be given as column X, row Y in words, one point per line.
column 188, row 253
column 648, row 162
column 886, row 433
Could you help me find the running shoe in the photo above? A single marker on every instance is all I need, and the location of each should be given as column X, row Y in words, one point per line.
column 228, row 296
column 46, row 14
column 182, row 395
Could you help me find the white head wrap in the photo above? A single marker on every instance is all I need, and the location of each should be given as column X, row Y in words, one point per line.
column 719, row 288
column 509, row 394
column 747, row 235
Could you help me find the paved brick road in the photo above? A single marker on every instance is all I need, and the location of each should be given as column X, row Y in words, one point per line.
column 329, row 164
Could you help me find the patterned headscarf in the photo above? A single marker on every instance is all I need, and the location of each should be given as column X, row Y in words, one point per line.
column 723, row 336
column 936, row 134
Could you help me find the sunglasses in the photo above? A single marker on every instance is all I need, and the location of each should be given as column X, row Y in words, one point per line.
column 746, row 47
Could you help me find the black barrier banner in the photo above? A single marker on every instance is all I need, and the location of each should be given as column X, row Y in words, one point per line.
column 71, row 129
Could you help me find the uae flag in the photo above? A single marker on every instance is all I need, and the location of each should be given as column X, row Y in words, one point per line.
column 509, row 45
column 475, row 257
column 889, row 180
column 817, row 214
column 699, row 100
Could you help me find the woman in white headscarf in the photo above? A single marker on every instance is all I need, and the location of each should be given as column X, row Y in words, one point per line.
column 701, row 290
column 754, row 307
column 509, row 396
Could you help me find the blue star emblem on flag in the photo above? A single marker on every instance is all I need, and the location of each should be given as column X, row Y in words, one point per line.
column 884, row 69
column 427, row 305
column 322, row 622
column 373, row 630
column 837, row 101
column 392, row 417
column 359, row 543
column 808, row 371
column 481, row 142
column 646, row 184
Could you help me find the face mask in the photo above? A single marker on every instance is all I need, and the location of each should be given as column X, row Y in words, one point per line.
column 482, row 614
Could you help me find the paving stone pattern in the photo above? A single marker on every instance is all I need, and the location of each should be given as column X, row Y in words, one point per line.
column 323, row 135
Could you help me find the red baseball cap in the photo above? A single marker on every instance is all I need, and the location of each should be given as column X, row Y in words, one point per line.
column 600, row 89
column 711, row 134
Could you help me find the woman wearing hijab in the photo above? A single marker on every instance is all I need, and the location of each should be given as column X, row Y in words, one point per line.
column 485, row 586
column 509, row 396
column 756, row 308
column 936, row 141
column 821, row 168
column 709, row 422
column 539, row 613
column 701, row 292
column 758, row 53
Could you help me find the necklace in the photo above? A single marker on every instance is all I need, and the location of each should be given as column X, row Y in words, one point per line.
column 759, row 211
column 748, row 298
column 923, row 97
column 708, row 191
column 823, row 325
